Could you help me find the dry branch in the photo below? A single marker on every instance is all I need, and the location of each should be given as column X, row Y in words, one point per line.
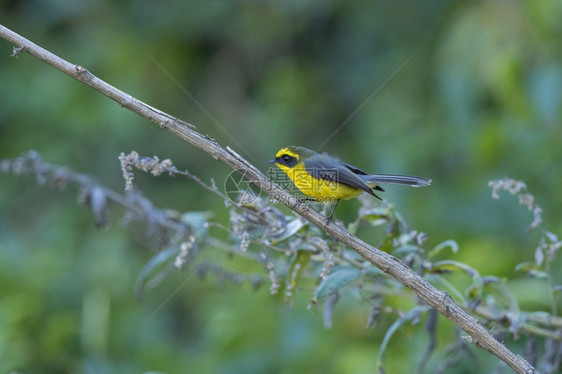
column 439, row 300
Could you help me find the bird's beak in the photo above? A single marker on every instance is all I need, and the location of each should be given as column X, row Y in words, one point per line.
column 271, row 161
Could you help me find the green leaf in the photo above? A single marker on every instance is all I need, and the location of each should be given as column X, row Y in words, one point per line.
column 338, row 278
column 374, row 221
column 450, row 265
column 298, row 266
column 552, row 237
column 329, row 310
column 490, row 279
column 405, row 249
column 410, row 315
column 197, row 221
column 539, row 256
column 526, row 266
column 300, row 245
column 538, row 274
column 440, row 247
column 387, row 243
column 475, row 290
column 532, row 270
column 98, row 203
column 541, row 315
column 452, row 289
column 375, row 214
column 154, row 267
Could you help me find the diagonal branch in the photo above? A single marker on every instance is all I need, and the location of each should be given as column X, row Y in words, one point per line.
column 439, row 300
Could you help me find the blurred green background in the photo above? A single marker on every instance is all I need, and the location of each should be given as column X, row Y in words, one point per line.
column 458, row 91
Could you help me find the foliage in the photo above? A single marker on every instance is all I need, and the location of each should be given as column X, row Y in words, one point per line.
column 458, row 91
column 291, row 250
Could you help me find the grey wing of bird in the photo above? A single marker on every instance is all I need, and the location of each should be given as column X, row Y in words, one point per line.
column 362, row 175
column 354, row 169
column 333, row 170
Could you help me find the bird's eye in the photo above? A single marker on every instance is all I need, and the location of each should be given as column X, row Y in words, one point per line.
column 286, row 159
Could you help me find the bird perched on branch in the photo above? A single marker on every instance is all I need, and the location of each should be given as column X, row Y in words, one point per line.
column 324, row 178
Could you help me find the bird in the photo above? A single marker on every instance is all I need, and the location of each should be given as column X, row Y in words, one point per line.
column 325, row 179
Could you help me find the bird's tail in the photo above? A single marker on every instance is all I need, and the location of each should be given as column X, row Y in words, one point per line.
column 396, row 179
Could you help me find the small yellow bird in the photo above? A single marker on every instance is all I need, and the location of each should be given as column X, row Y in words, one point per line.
column 326, row 179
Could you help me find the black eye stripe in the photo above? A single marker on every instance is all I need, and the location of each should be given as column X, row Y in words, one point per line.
column 287, row 160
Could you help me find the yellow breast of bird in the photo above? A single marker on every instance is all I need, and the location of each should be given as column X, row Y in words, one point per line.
column 320, row 189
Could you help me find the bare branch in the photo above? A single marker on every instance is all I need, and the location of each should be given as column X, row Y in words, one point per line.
column 439, row 300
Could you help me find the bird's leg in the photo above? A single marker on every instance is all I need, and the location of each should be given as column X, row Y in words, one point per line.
column 332, row 214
